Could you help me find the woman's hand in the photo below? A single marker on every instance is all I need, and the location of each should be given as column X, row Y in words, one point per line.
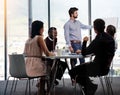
column 52, row 54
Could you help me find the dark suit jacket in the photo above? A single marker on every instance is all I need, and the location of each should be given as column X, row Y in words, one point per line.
column 103, row 47
column 50, row 44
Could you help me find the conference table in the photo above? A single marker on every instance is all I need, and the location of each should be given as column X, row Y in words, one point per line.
column 55, row 66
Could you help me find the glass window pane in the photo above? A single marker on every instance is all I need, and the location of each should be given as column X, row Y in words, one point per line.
column 111, row 16
column 1, row 39
column 17, row 26
column 40, row 12
column 17, row 22
column 59, row 15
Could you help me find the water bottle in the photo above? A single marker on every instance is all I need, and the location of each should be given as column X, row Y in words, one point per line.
column 56, row 49
column 67, row 49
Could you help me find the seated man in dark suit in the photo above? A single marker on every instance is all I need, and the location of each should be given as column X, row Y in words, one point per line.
column 103, row 47
column 51, row 41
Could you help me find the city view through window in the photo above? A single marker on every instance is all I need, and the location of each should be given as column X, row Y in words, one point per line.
column 17, row 23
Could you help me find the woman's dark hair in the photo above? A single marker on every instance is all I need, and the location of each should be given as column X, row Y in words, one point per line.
column 111, row 30
column 72, row 10
column 99, row 25
column 36, row 26
column 51, row 30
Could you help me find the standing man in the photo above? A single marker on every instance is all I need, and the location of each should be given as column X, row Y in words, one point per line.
column 72, row 32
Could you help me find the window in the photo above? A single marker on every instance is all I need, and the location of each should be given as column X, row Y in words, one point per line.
column 59, row 15
column 111, row 16
column 1, row 39
column 17, row 26
column 17, row 22
column 40, row 12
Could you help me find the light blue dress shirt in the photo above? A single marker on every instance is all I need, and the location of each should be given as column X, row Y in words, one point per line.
column 72, row 30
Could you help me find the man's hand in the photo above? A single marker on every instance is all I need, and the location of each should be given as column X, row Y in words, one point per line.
column 85, row 39
column 71, row 49
column 78, row 51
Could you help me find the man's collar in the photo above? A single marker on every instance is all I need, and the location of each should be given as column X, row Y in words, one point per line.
column 50, row 38
column 72, row 20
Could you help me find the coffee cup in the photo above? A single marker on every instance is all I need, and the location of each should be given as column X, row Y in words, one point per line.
column 59, row 52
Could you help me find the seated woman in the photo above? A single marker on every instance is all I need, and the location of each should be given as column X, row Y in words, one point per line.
column 34, row 48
